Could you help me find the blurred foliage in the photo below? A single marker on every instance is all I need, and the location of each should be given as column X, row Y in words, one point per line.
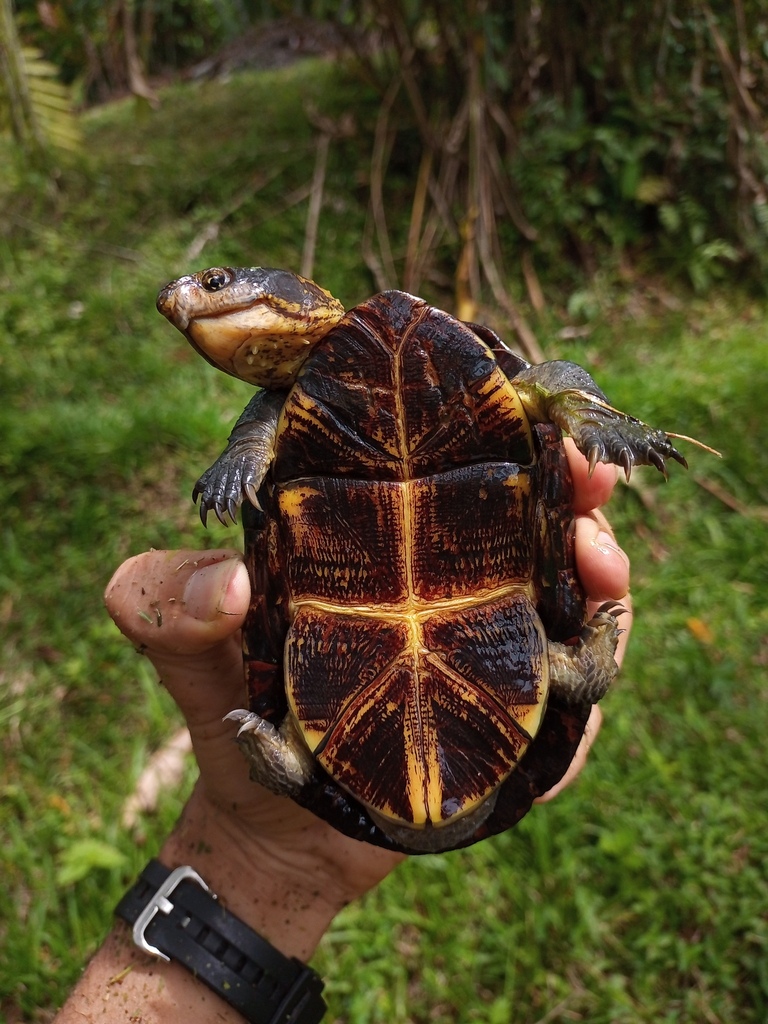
column 628, row 135
column 34, row 105
column 93, row 43
column 582, row 131
column 638, row 897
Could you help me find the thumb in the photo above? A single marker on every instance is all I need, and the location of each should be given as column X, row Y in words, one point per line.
column 183, row 609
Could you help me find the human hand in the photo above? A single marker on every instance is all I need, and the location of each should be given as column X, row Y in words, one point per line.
column 604, row 573
column 278, row 867
column 275, row 865
column 184, row 611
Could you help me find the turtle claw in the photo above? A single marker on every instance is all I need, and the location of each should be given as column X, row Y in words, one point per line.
column 252, row 495
column 207, row 505
column 213, row 490
column 612, row 608
column 627, row 463
column 251, row 722
column 604, row 434
column 234, row 477
column 243, row 716
column 278, row 758
column 659, row 462
column 203, row 510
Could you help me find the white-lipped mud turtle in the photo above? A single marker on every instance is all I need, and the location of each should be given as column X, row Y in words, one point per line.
column 418, row 657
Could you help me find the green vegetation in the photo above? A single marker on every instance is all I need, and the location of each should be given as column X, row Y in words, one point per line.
column 640, row 895
column 571, row 135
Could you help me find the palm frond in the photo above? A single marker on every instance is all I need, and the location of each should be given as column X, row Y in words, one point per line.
column 34, row 105
column 50, row 101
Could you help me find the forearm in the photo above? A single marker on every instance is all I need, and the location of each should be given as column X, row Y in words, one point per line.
column 122, row 984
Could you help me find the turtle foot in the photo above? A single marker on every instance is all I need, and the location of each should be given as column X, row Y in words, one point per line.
column 278, row 759
column 563, row 393
column 582, row 673
column 611, row 436
column 605, row 434
column 238, row 473
column 240, row 470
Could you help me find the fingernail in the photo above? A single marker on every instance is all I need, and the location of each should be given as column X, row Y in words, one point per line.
column 606, row 545
column 208, row 590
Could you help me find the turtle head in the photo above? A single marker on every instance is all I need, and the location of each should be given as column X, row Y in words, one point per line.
column 255, row 323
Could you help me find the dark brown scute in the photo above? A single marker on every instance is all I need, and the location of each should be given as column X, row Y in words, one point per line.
column 496, row 648
column 345, row 539
column 455, row 534
column 473, row 530
column 332, row 658
column 391, row 399
column 391, row 710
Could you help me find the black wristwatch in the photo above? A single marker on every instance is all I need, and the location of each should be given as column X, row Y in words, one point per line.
column 175, row 916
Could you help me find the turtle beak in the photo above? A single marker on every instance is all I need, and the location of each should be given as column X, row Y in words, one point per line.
column 170, row 303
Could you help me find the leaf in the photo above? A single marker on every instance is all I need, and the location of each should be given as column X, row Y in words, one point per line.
column 670, row 217
column 85, row 856
column 33, row 102
column 52, row 105
column 629, row 178
column 653, row 190
column 163, row 772
column 700, row 630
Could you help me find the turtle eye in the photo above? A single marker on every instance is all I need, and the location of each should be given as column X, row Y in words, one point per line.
column 215, row 279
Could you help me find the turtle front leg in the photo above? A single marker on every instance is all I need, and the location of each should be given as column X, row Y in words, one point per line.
column 278, row 758
column 581, row 674
column 563, row 393
column 240, row 470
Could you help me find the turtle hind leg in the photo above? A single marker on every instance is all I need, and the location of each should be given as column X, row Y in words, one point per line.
column 278, row 758
column 581, row 673
column 563, row 393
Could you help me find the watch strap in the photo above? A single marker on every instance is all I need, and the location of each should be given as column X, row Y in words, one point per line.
column 175, row 916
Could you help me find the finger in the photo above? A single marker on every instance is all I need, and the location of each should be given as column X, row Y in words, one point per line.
column 589, row 491
column 603, row 569
column 602, row 566
column 177, row 601
column 183, row 610
column 591, row 730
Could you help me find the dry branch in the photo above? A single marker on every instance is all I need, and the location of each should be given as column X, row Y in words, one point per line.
column 315, row 203
column 731, row 501
column 382, row 145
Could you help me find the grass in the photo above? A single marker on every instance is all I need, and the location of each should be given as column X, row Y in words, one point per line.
column 638, row 896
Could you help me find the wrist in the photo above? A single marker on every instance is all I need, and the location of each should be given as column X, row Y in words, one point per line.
column 175, row 917
column 250, row 880
column 285, row 899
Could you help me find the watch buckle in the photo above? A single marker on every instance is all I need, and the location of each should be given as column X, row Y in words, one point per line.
column 160, row 904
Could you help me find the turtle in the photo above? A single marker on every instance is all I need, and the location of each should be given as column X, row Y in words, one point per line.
column 419, row 661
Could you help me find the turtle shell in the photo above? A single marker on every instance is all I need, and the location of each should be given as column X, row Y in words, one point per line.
column 414, row 555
